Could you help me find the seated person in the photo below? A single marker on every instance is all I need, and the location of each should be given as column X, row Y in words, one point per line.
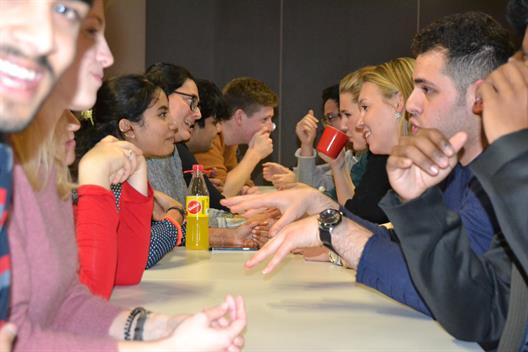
column 155, row 137
column 307, row 172
column 166, row 173
column 112, row 230
column 380, row 86
column 250, row 105
column 373, row 250
column 51, row 309
column 476, row 298
column 133, row 99
column 213, row 110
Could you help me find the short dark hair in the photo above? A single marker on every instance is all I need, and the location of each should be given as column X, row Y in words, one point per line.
column 332, row 93
column 517, row 15
column 248, row 94
column 168, row 76
column 212, row 103
column 473, row 43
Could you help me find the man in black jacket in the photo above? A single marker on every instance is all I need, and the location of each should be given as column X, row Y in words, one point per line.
column 485, row 298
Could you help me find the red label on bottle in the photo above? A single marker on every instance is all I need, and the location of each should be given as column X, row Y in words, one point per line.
column 194, row 207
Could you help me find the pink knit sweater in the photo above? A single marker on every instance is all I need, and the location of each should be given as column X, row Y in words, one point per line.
column 52, row 310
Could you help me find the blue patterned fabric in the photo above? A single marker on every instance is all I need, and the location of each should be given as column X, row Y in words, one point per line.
column 6, row 172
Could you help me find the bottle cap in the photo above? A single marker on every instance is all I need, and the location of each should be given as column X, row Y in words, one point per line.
column 198, row 167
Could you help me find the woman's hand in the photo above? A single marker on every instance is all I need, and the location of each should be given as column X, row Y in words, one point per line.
column 219, row 328
column 162, row 204
column 109, row 161
column 336, row 164
column 7, row 336
column 138, row 179
column 306, row 130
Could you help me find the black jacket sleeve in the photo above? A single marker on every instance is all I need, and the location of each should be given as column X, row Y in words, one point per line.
column 374, row 184
column 188, row 159
column 503, row 172
column 467, row 294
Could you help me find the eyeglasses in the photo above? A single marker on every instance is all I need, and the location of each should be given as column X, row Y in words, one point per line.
column 331, row 116
column 194, row 101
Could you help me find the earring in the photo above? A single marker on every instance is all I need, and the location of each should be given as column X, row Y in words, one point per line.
column 397, row 115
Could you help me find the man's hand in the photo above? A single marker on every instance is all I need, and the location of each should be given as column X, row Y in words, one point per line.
column 504, row 97
column 261, row 144
column 277, row 174
column 306, row 131
column 272, row 169
column 422, row 161
column 348, row 238
column 302, row 233
column 292, row 203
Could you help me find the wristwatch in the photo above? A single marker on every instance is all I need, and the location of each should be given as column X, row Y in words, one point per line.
column 328, row 220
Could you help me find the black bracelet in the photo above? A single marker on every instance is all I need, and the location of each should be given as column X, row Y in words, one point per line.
column 138, row 330
column 179, row 210
column 130, row 319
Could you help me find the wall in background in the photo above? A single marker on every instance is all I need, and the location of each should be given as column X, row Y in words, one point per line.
column 126, row 34
column 297, row 47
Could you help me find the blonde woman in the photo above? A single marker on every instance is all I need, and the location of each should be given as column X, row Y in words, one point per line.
column 382, row 120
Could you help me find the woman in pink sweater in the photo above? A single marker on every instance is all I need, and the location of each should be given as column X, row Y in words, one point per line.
column 50, row 307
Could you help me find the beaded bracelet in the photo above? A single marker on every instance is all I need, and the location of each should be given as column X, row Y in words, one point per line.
column 138, row 330
column 130, row 319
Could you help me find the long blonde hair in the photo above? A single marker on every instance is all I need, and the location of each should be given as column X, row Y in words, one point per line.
column 35, row 149
column 352, row 82
column 394, row 77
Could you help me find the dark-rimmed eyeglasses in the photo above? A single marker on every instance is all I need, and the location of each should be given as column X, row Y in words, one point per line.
column 331, row 116
column 194, row 101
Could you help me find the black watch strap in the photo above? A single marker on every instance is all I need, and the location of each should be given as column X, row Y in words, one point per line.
column 326, row 237
column 328, row 220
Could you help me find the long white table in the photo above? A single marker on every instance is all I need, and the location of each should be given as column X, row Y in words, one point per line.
column 303, row 306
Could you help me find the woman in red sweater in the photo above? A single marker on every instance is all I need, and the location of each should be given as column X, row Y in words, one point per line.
column 145, row 129
column 51, row 309
column 112, row 234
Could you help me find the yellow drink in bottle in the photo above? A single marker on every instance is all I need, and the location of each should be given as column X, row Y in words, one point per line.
column 197, row 204
column 197, row 236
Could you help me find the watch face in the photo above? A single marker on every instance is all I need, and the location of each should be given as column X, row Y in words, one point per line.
column 330, row 217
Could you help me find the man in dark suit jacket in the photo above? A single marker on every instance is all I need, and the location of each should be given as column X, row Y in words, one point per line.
column 485, row 298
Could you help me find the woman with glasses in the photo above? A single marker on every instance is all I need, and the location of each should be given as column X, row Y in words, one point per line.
column 166, row 173
column 51, row 308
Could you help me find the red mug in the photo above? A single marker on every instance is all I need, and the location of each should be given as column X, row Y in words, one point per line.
column 332, row 142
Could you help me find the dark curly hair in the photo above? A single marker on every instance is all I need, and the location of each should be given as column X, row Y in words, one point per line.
column 473, row 43
column 212, row 103
column 517, row 15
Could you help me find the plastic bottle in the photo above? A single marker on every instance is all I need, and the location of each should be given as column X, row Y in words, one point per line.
column 197, row 204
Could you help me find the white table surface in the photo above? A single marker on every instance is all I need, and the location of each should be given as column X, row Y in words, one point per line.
column 302, row 306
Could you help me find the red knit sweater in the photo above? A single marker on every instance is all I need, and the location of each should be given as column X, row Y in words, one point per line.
column 113, row 244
